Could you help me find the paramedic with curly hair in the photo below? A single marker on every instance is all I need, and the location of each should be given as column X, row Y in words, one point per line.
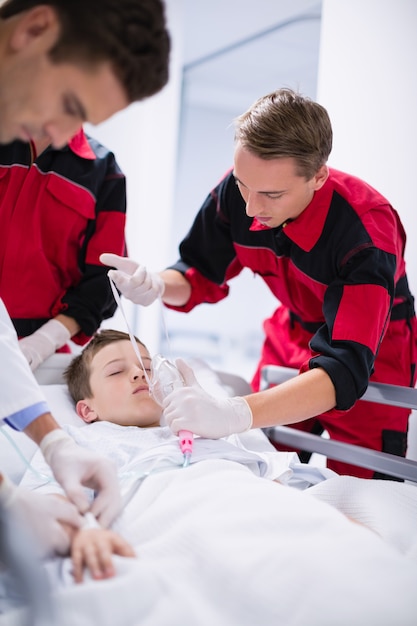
column 62, row 64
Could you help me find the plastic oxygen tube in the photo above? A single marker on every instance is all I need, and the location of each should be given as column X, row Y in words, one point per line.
column 165, row 378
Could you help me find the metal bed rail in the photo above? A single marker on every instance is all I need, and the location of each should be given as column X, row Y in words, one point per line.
column 395, row 395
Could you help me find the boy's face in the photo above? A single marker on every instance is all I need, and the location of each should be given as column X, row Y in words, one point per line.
column 120, row 393
column 44, row 101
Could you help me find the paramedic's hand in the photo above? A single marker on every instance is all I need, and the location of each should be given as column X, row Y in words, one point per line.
column 133, row 280
column 74, row 467
column 192, row 408
column 44, row 342
column 42, row 515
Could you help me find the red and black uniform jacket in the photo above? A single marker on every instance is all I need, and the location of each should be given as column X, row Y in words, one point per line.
column 58, row 212
column 338, row 271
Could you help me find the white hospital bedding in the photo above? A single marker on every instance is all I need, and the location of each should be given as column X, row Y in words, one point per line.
column 387, row 507
column 136, row 451
column 217, row 543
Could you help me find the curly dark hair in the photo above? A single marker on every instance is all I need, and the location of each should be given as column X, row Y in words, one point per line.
column 130, row 34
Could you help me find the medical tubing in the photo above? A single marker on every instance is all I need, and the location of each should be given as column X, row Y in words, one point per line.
column 131, row 336
column 187, row 459
column 134, row 487
column 185, row 436
column 24, row 459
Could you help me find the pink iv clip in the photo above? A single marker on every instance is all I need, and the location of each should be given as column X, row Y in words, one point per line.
column 186, row 445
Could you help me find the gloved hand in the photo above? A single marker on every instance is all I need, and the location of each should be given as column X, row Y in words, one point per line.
column 41, row 515
column 44, row 342
column 133, row 280
column 74, row 467
column 192, row 408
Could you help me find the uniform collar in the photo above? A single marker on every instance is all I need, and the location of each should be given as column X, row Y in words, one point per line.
column 306, row 229
column 80, row 146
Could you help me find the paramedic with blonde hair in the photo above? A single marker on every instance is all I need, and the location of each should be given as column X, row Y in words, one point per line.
column 62, row 64
column 331, row 249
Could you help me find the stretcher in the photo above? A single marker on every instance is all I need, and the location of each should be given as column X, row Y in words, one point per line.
column 218, row 544
column 394, row 395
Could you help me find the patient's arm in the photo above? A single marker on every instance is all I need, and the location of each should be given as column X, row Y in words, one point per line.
column 92, row 548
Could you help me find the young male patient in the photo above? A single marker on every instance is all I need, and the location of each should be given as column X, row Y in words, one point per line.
column 107, row 383
column 109, row 389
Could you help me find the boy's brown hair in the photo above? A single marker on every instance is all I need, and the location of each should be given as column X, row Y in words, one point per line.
column 77, row 375
column 130, row 34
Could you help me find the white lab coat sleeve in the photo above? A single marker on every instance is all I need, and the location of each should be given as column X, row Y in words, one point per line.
column 22, row 400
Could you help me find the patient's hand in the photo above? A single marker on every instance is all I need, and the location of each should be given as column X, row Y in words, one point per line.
column 92, row 548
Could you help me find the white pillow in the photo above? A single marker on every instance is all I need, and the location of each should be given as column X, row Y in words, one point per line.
column 61, row 405
column 17, row 449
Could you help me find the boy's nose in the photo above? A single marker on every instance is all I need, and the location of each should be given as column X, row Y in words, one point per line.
column 137, row 372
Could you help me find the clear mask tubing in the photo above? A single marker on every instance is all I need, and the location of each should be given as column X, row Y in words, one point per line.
column 165, row 377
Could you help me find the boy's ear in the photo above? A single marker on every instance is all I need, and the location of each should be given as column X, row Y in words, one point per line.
column 85, row 411
column 41, row 21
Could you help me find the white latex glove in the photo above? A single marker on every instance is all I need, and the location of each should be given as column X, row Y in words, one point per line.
column 133, row 280
column 41, row 516
column 44, row 342
column 75, row 467
column 192, row 408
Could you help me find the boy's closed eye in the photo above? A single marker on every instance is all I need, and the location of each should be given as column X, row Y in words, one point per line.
column 120, row 371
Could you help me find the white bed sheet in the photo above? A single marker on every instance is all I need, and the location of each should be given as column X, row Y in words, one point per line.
column 217, row 544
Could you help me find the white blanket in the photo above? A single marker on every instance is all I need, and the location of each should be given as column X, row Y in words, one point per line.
column 136, row 451
column 387, row 507
column 217, row 544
